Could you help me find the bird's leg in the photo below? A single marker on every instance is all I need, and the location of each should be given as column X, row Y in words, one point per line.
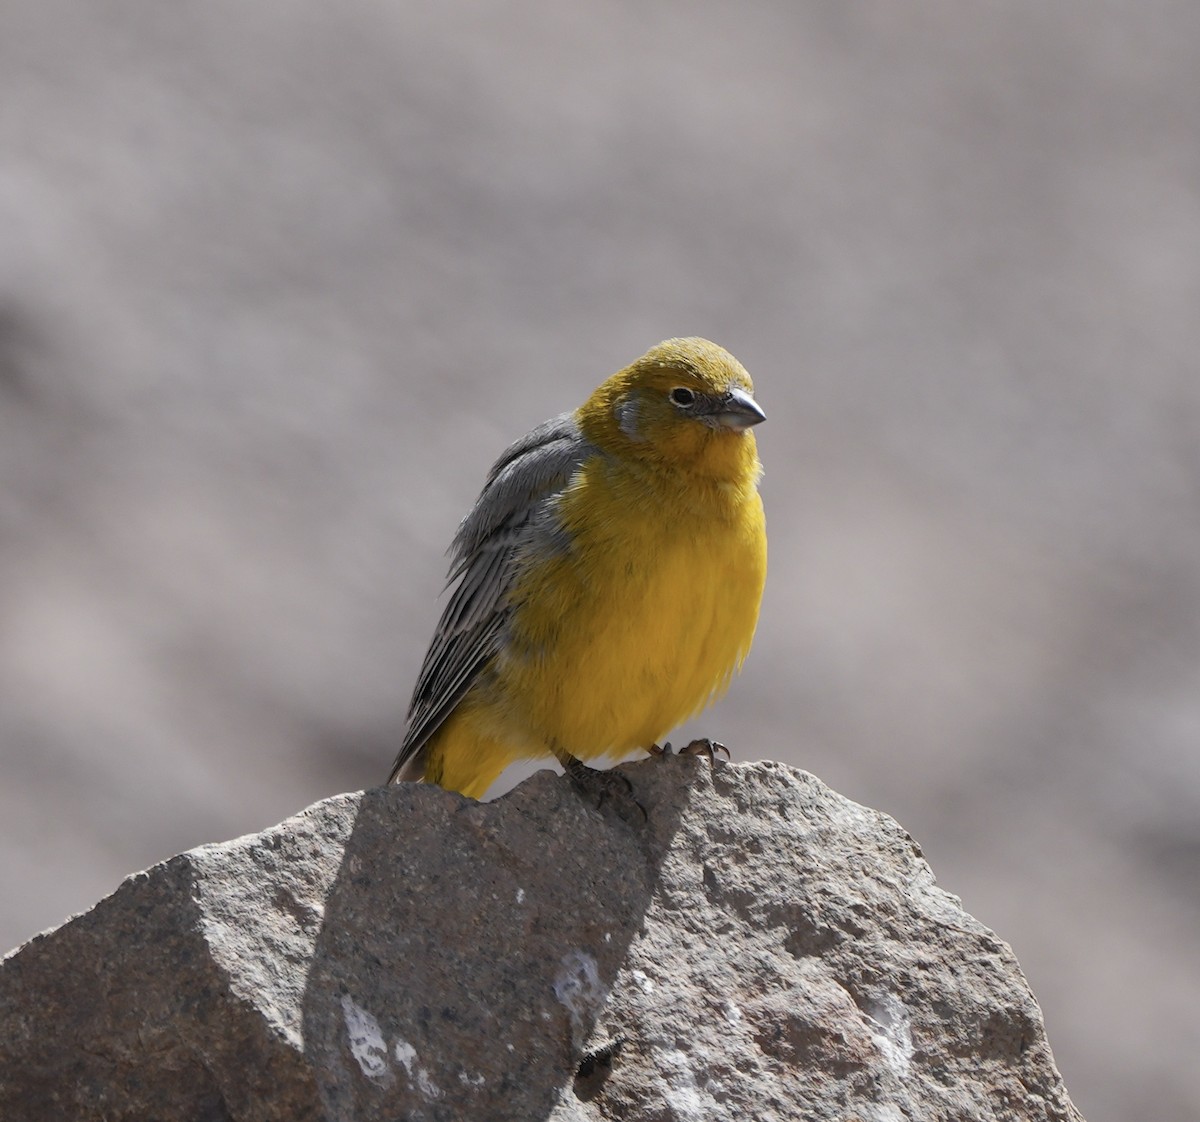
column 701, row 747
column 603, row 786
column 592, row 780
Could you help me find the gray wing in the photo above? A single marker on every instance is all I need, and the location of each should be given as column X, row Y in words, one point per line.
column 491, row 542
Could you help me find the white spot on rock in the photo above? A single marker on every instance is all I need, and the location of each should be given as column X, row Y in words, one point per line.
column 419, row 1077
column 406, row 1054
column 520, row 896
column 883, row 1112
column 427, row 1086
column 684, row 1096
column 370, row 1050
column 367, row 1045
column 580, row 991
column 732, row 1013
column 892, row 1033
column 642, row 980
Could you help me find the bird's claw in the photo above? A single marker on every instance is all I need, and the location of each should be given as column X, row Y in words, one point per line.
column 705, row 747
column 701, row 747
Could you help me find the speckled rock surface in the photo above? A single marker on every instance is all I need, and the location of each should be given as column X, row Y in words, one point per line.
column 759, row 947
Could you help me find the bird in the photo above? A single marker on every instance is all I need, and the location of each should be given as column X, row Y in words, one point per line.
column 606, row 582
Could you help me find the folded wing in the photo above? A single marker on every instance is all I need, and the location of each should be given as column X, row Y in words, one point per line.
column 509, row 524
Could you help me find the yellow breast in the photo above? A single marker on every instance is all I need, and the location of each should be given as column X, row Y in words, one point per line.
column 641, row 620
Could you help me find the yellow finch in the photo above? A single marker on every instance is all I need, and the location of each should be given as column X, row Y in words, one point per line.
column 608, row 577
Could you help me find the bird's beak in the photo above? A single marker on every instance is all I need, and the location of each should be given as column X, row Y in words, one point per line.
column 736, row 410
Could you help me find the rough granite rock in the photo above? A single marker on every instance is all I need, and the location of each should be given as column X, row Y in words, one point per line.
column 758, row 948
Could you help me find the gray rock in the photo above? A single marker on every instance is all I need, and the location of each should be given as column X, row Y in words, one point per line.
column 759, row 947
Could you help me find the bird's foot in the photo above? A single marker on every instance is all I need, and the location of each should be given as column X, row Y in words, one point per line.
column 701, row 747
column 705, row 747
column 605, row 786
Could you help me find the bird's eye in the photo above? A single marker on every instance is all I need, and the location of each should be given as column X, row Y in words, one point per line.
column 681, row 395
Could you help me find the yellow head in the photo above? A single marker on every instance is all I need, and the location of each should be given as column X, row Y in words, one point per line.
column 686, row 403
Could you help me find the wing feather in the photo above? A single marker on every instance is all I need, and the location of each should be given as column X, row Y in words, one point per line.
column 505, row 528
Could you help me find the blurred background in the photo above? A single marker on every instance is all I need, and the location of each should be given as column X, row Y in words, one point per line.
column 278, row 282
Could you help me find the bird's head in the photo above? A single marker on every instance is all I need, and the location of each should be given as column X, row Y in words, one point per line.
column 685, row 402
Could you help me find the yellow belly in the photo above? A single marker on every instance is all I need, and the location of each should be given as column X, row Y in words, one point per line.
column 618, row 639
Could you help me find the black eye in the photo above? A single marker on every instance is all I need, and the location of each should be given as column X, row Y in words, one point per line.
column 681, row 395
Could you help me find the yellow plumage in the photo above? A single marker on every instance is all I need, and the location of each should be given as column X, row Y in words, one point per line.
column 609, row 577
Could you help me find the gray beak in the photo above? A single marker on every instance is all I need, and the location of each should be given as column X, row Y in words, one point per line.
column 736, row 410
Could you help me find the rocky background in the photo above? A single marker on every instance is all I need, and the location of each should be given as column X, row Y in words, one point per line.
column 278, row 281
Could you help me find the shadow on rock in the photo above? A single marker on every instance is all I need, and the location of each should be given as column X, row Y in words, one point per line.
column 467, row 949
